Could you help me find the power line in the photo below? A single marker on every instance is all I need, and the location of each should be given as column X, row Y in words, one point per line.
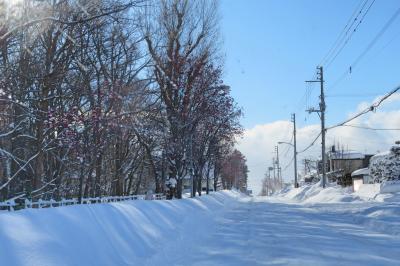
column 306, row 96
column 351, row 95
column 380, row 33
column 346, row 41
column 371, row 108
column 361, row 141
column 370, row 45
column 339, row 80
column 288, row 165
column 288, row 147
column 388, row 43
column 371, row 128
column 340, row 37
column 288, row 131
column 368, row 109
column 312, row 144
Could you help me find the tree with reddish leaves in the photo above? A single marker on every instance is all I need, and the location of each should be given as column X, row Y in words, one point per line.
column 95, row 104
column 218, row 126
column 180, row 37
column 234, row 171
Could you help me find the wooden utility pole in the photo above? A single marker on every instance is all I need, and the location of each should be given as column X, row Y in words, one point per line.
column 305, row 167
column 296, row 184
column 278, row 166
column 321, row 113
column 323, row 131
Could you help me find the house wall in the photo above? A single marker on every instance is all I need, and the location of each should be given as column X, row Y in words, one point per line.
column 348, row 165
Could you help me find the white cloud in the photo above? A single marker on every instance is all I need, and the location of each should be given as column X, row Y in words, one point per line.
column 258, row 142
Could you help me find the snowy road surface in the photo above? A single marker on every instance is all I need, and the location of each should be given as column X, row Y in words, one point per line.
column 273, row 233
column 225, row 228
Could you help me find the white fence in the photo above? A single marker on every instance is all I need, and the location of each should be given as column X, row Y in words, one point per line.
column 11, row 205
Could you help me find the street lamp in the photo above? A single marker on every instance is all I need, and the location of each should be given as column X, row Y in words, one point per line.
column 296, row 185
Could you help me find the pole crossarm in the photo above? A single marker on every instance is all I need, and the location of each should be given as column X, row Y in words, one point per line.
column 313, row 110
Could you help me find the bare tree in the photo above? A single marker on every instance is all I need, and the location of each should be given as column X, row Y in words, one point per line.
column 180, row 37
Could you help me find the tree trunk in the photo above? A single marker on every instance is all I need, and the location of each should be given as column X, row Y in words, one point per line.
column 179, row 188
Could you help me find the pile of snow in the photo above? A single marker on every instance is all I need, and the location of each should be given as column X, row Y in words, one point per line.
column 392, row 197
column 388, row 191
column 386, row 166
column 368, row 206
column 390, row 186
column 316, row 194
column 384, row 192
column 368, row 191
column 122, row 233
column 382, row 218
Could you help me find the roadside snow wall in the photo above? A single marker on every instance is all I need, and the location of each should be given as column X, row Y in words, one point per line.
column 121, row 233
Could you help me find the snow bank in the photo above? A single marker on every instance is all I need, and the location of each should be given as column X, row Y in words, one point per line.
column 385, row 192
column 368, row 191
column 382, row 218
column 316, row 194
column 123, row 233
column 390, row 186
column 368, row 207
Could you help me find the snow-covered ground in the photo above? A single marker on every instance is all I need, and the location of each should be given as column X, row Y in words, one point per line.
column 304, row 226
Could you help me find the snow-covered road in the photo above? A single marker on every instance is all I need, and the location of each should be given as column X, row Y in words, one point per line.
column 253, row 232
column 224, row 228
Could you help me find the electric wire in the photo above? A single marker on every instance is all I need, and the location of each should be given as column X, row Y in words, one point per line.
column 340, row 36
column 380, row 33
column 366, row 50
column 288, row 165
column 371, row 128
column 346, row 41
column 312, row 144
column 371, row 108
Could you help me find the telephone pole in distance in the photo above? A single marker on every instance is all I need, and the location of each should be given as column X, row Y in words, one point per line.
column 321, row 113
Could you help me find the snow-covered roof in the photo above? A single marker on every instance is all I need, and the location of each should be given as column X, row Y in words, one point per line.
column 340, row 155
column 382, row 154
column 362, row 171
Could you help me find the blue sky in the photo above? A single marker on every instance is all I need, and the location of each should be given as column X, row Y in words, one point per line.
column 272, row 46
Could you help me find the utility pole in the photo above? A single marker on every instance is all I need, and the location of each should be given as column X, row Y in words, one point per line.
column 267, row 183
column 321, row 113
column 269, row 187
column 273, row 167
column 277, row 166
column 296, row 184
